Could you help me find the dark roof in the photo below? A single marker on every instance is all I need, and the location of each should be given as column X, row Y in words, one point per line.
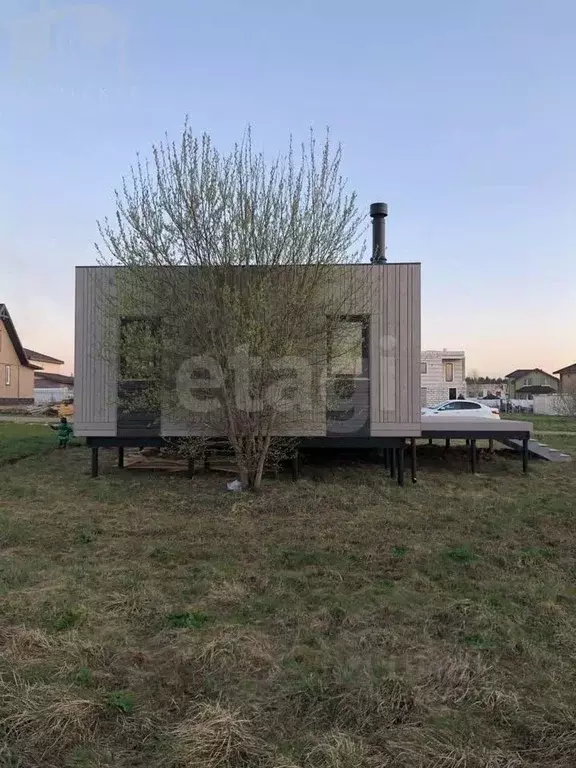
column 523, row 371
column 55, row 378
column 42, row 358
column 536, row 389
column 567, row 369
column 518, row 372
column 13, row 336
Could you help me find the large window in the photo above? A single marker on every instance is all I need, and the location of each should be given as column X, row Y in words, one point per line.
column 139, row 348
column 348, row 348
column 448, row 371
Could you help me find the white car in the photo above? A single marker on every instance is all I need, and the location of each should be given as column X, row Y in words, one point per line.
column 462, row 409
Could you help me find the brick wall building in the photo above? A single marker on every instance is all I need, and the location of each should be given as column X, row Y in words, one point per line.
column 443, row 375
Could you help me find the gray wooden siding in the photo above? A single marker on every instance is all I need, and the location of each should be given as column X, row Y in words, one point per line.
column 95, row 368
column 395, row 349
column 389, row 293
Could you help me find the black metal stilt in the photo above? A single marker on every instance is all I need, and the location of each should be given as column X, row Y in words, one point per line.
column 413, row 458
column 94, row 461
column 392, row 462
column 473, row 456
column 191, row 466
column 386, row 457
column 447, row 442
column 401, row 464
column 296, row 464
column 525, row 455
column 430, row 441
column 491, row 445
column 121, row 457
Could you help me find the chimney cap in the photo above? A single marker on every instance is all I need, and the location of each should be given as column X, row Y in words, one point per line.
column 379, row 209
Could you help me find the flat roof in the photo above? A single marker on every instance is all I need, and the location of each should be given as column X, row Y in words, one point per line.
column 187, row 266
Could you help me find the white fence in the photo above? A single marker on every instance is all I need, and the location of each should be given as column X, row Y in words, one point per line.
column 44, row 396
column 509, row 406
column 550, row 405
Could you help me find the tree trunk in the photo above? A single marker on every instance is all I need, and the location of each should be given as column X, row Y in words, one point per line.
column 264, row 448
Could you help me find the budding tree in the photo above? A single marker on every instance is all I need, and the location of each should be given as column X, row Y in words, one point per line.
column 230, row 288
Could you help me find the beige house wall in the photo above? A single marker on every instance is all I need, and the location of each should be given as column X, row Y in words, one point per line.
column 20, row 378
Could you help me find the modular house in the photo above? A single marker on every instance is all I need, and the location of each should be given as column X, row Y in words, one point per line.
column 384, row 314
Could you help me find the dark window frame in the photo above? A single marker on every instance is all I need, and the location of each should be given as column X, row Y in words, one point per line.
column 155, row 324
column 364, row 321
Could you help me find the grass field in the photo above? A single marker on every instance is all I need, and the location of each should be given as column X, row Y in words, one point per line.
column 20, row 440
column 545, row 423
column 337, row 622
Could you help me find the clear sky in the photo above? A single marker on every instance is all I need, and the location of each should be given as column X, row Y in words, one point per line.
column 460, row 114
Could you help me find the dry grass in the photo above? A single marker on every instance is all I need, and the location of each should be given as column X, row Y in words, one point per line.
column 337, row 622
column 213, row 736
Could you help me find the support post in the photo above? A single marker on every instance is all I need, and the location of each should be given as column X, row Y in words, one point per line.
column 447, row 443
column 191, row 466
column 296, row 464
column 401, row 464
column 386, row 457
column 392, row 462
column 413, row 458
column 491, row 445
column 121, row 457
column 430, row 441
column 525, row 455
column 467, row 441
column 94, row 461
column 473, row 456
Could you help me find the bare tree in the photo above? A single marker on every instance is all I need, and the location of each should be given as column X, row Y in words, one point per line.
column 565, row 401
column 231, row 287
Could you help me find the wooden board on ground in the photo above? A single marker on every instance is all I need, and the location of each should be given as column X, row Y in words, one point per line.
column 138, row 460
column 164, row 463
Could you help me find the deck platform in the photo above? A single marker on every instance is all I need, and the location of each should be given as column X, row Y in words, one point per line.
column 392, row 450
column 475, row 429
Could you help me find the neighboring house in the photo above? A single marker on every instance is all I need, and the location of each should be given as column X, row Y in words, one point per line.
column 384, row 379
column 45, row 362
column 442, row 376
column 16, row 371
column 567, row 378
column 52, row 387
column 487, row 389
column 524, row 383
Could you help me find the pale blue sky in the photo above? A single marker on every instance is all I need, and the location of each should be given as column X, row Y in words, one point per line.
column 460, row 114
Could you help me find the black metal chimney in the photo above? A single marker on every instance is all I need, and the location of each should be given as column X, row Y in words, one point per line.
column 378, row 212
